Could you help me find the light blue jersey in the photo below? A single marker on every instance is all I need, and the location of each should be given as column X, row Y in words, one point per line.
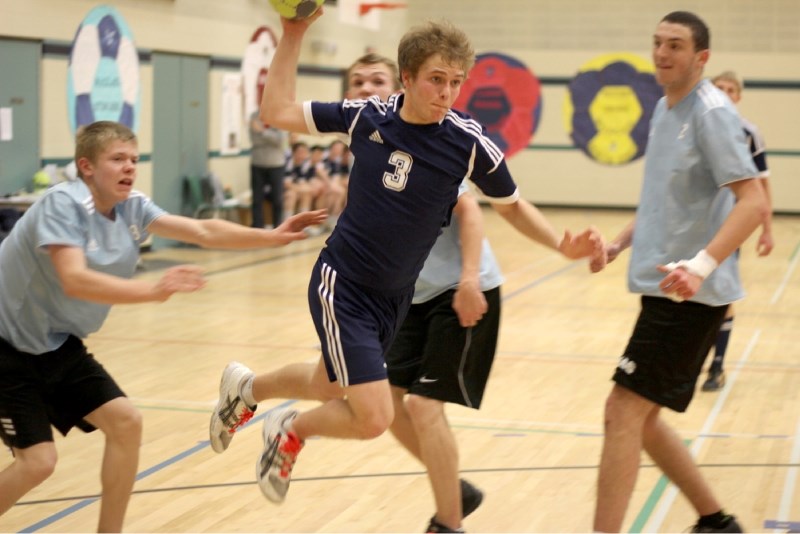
column 35, row 314
column 442, row 269
column 694, row 150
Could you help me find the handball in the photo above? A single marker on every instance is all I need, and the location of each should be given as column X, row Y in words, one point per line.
column 296, row 9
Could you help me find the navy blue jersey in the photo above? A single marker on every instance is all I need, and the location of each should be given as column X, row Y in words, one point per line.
column 404, row 182
column 757, row 147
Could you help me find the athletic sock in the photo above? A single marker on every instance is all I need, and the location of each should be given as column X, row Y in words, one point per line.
column 723, row 336
column 246, row 392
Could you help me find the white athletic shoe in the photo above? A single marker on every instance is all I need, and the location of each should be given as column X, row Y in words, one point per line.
column 231, row 411
column 281, row 447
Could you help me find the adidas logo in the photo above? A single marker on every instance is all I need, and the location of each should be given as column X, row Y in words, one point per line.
column 375, row 136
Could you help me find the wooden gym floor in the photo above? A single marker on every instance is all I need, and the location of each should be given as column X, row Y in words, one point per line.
column 533, row 447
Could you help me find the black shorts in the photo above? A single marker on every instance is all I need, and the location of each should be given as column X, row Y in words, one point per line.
column 435, row 357
column 666, row 351
column 57, row 388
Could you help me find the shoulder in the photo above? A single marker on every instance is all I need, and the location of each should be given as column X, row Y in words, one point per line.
column 464, row 125
column 372, row 104
column 65, row 194
column 709, row 98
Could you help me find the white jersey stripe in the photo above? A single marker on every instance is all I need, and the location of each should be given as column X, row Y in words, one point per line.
column 326, row 292
column 474, row 129
column 324, row 298
column 712, row 97
column 88, row 204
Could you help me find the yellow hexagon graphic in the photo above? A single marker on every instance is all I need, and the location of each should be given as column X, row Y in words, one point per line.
column 615, row 108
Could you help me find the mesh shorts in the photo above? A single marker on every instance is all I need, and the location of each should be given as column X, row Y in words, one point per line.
column 435, row 357
column 666, row 351
column 57, row 388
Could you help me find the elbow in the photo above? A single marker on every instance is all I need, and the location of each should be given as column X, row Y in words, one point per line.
column 267, row 115
column 72, row 287
column 504, row 210
column 762, row 209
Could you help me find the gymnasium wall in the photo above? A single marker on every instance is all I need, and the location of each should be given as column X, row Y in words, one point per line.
column 760, row 39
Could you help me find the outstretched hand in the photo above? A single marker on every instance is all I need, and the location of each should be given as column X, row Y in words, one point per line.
column 292, row 228
column 588, row 243
column 609, row 253
column 179, row 279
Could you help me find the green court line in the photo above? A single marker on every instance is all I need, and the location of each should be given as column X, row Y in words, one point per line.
column 650, row 504
column 794, row 252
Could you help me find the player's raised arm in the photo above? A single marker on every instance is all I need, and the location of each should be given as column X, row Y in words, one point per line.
column 279, row 107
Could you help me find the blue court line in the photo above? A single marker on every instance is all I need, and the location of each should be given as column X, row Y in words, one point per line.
column 790, row 526
column 147, row 472
column 541, row 280
column 203, row 444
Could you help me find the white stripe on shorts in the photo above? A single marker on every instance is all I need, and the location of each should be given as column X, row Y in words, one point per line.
column 464, row 354
column 326, row 292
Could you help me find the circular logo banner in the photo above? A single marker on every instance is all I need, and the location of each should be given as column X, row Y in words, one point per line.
column 608, row 107
column 103, row 71
column 504, row 96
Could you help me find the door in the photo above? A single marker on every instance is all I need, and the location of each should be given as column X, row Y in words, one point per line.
column 19, row 106
column 180, row 127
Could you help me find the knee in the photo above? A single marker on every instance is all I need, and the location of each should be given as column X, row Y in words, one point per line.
column 38, row 464
column 126, row 427
column 624, row 408
column 424, row 410
column 375, row 423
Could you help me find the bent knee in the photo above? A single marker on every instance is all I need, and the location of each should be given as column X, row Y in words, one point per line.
column 37, row 463
column 375, row 423
column 373, row 428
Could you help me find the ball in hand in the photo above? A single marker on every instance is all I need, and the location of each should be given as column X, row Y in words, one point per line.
column 296, row 9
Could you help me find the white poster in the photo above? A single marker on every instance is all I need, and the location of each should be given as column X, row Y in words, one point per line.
column 231, row 120
column 6, row 125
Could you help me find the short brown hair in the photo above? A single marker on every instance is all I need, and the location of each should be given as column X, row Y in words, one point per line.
column 92, row 139
column 701, row 36
column 443, row 38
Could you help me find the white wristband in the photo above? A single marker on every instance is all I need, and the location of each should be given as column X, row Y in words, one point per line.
column 702, row 265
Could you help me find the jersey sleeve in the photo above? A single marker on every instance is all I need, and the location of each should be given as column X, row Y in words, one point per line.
column 758, row 149
column 334, row 117
column 60, row 221
column 490, row 172
column 142, row 212
column 721, row 139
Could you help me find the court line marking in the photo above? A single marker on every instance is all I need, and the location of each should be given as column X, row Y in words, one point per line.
column 782, row 286
column 143, row 474
column 485, row 470
column 654, row 524
column 63, row 513
column 790, row 482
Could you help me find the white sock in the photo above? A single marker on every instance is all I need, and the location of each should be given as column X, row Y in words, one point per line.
column 246, row 391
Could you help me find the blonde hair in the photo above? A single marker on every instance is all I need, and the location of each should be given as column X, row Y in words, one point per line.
column 443, row 38
column 729, row 76
column 92, row 139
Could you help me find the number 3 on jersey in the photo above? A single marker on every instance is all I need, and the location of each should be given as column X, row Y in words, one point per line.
column 402, row 166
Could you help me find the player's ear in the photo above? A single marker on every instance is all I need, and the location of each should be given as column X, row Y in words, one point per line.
column 85, row 167
column 703, row 56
